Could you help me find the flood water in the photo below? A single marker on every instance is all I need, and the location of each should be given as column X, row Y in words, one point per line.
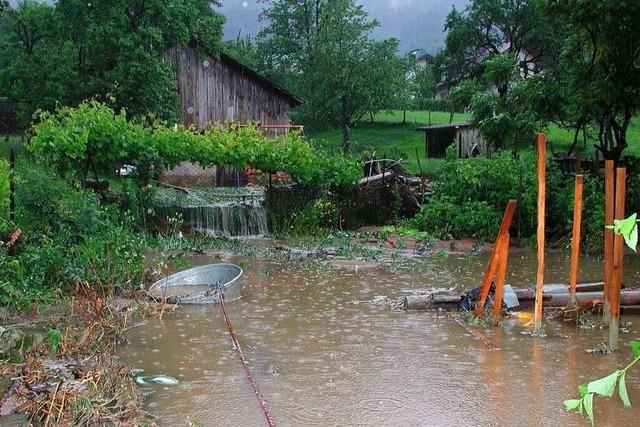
column 321, row 360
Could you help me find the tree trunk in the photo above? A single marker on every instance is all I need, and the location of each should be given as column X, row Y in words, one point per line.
column 429, row 116
column 404, row 117
column 346, row 143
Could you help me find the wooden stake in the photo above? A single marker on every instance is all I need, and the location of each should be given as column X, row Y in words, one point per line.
column 609, row 208
column 618, row 255
column 541, row 144
column 492, row 266
column 575, row 241
column 502, row 274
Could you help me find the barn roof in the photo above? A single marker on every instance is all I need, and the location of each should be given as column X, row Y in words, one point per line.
column 453, row 125
column 232, row 62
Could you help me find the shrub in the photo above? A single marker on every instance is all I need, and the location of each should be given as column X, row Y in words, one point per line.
column 471, row 194
column 67, row 236
column 446, row 218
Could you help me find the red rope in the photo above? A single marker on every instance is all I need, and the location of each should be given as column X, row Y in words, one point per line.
column 245, row 364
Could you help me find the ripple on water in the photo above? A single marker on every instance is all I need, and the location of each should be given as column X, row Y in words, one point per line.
column 322, row 362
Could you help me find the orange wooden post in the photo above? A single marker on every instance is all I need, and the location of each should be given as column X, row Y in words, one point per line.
column 618, row 255
column 575, row 240
column 609, row 207
column 489, row 274
column 502, row 274
column 541, row 144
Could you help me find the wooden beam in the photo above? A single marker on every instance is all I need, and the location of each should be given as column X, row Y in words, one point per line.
column 575, row 240
column 609, row 208
column 490, row 273
column 502, row 275
column 541, row 144
column 618, row 255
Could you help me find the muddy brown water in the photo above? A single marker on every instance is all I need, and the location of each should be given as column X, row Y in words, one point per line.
column 320, row 360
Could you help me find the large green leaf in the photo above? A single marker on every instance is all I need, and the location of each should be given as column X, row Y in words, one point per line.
column 635, row 347
column 588, row 406
column 628, row 228
column 604, row 386
column 572, row 404
column 622, row 390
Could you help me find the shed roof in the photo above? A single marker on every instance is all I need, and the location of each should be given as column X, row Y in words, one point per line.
column 229, row 60
column 453, row 125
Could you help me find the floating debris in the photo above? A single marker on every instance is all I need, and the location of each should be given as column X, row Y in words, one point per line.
column 157, row 379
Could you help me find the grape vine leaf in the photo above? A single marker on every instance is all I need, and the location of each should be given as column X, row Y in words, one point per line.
column 622, row 390
column 628, row 228
column 571, row 404
column 604, row 386
column 588, row 406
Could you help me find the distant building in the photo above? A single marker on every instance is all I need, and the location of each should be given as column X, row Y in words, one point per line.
column 463, row 134
column 422, row 57
column 526, row 61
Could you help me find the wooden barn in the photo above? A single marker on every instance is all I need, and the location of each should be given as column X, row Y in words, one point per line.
column 469, row 142
column 222, row 90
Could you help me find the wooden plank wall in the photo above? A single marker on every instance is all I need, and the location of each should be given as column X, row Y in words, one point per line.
column 214, row 91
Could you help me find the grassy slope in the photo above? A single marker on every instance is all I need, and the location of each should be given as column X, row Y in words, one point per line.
column 387, row 135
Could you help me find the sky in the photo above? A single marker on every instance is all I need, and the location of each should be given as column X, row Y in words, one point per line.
column 416, row 23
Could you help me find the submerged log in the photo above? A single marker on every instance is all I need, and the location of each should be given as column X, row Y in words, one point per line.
column 425, row 302
column 553, row 296
column 526, row 294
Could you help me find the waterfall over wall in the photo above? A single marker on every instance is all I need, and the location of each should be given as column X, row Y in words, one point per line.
column 214, row 214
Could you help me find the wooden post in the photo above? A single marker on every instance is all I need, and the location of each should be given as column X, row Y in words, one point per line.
column 609, row 188
column 502, row 274
column 575, row 241
column 618, row 255
column 492, row 266
column 541, row 144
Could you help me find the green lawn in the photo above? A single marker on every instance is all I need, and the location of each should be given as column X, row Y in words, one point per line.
column 386, row 135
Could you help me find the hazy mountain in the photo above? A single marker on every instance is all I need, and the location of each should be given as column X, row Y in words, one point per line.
column 416, row 23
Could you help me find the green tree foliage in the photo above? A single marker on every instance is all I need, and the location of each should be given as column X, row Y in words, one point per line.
column 491, row 27
column 93, row 137
column 599, row 74
column 110, row 49
column 323, row 50
column 497, row 48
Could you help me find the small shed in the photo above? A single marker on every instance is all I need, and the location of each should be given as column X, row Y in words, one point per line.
column 469, row 142
column 222, row 90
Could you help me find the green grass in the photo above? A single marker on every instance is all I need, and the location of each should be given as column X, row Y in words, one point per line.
column 562, row 139
column 386, row 135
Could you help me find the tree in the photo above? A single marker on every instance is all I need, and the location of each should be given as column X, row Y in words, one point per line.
column 322, row 50
column 600, row 71
column 110, row 49
column 491, row 27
